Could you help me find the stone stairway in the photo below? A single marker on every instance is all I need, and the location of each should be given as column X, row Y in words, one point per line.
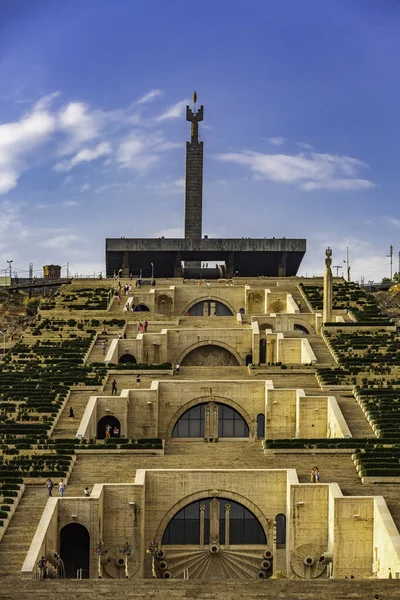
column 321, row 350
column 355, row 418
column 174, row 589
column 209, row 322
column 18, row 537
column 115, row 468
column 65, row 427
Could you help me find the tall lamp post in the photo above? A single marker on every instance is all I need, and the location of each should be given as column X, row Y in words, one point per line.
column 152, row 271
column 9, row 266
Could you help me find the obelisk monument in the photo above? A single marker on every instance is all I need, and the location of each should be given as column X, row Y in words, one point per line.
column 194, row 175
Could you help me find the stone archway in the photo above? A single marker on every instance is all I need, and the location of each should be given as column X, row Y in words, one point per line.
column 75, row 550
column 204, row 354
column 206, row 399
column 298, row 327
column 215, row 299
column 210, row 545
column 127, row 359
column 103, row 422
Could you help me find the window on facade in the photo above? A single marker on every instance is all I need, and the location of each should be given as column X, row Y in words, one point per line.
column 191, row 423
column 231, row 423
column 280, row 529
column 186, row 527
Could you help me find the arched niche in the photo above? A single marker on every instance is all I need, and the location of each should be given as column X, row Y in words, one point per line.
column 126, row 359
column 103, row 422
column 210, row 355
column 141, row 308
column 224, row 305
column 211, row 420
column 75, row 550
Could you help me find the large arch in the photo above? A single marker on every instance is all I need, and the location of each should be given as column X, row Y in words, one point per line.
column 298, row 327
column 141, row 308
column 103, row 422
column 234, row 361
column 212, row 493
column 263, row 326
column 127, row 358
column 75, row 549
column 205, row 399
column 184, row 527
column 209, row 299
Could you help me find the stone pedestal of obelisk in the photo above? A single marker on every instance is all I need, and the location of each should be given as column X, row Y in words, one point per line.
column 328, row 288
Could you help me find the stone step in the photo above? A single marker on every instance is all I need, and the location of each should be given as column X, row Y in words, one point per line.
column 16, row 589
column 66, row 427
column 17, row 539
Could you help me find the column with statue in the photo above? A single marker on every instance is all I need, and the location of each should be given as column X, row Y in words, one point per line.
column 328, row 288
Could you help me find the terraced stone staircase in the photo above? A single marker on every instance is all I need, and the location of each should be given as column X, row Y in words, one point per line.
column 18, row 537
column 266, row 589
column 66, row 427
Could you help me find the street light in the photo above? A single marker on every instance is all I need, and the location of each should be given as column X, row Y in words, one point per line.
column 152, row 271
column 9, row 266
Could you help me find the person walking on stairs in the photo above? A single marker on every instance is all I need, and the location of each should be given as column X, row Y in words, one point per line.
column 42, row 564
column 71, row 414
column 104, row 348
column 138, row 379
column 86, row 492
column 49, row 485
column 114, row 388
column 61, row 487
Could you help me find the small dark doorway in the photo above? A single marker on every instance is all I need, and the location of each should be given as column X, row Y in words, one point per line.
column 263, row 351
column 75, row 550
column 141, row 308
column 241, row 310
column 101, row 426
column 260, row 426
column 249, row 359
column 127, row 358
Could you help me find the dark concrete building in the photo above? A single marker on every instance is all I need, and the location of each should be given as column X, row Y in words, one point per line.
column 164, row 257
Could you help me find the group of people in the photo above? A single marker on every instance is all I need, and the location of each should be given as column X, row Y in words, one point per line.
column 142, row 327
column 111, row 431
column 315, row 476
column 61, row 488
column 50, row 487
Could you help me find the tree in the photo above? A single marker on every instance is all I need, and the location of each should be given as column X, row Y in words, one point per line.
column 396, row 277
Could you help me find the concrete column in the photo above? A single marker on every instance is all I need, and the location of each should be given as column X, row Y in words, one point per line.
column 177, row 265
column 125, row 265
column 230, row 266
column 282, row 265
column 328, row 288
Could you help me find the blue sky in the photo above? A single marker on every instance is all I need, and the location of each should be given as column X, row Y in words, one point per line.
column 300, row 134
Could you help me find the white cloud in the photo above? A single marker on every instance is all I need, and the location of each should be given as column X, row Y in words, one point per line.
column 304, row 145
column 20, row 138
column 68, row 203
column 142, row 151
column 85, row 155
column 393, row 221
column 85, row 187
column 167, row 187
column 149, row 96
column 173, row 112
column 61, row 241
column 277, row 141
column 338, row 184
column 79, row 124
column 307, row 171
column 366, row 259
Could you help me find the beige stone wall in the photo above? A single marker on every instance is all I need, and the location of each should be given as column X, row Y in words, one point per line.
column 353, row 537
column 311, row 416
